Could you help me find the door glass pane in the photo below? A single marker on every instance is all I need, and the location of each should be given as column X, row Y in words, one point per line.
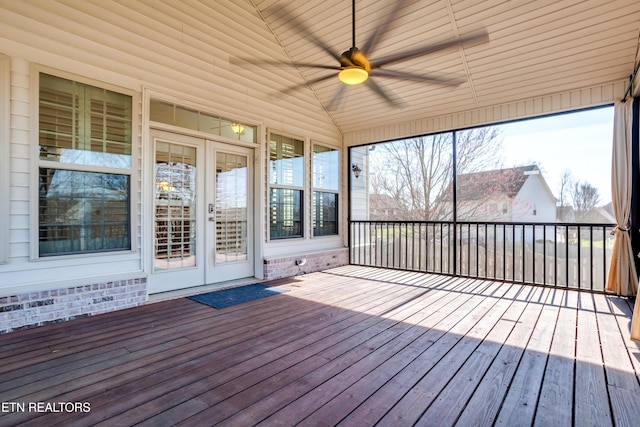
column 231, row 207
column 175, row 206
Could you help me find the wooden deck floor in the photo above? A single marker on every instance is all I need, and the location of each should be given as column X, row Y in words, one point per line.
column 349, row 346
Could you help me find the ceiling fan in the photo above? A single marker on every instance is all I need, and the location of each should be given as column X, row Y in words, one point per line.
column 355, row 65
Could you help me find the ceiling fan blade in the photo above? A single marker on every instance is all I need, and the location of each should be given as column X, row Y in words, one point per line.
column 381, row 29
column 476, row 38
column 440, row 79
column 307, row 83
column 390, row 98
column 251, row 62
column 287, row 16
column 337, row 100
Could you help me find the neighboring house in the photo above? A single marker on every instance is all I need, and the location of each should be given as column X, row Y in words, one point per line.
column 384, row 207
column 566, row 214
column 518, row 194
column 596, row 215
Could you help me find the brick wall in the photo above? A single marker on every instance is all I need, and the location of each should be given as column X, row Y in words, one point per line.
column 32, row 309
column 285, row 266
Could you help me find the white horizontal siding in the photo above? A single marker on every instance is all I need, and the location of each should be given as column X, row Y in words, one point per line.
column 555, row 103
column 5, row 153
column 19, row 193
column 181, row 49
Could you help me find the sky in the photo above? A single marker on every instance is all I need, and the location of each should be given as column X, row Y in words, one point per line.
column 580, row 142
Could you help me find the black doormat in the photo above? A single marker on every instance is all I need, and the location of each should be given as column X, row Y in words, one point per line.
column 238, row 295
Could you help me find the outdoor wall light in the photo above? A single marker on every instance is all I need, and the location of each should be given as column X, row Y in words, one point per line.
column 356, row 170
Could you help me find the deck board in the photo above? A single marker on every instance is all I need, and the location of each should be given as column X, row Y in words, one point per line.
column 592, row 400
column 349, row 346
column 556, row 395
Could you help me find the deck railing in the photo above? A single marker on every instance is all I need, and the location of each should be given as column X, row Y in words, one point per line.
column 567, row 255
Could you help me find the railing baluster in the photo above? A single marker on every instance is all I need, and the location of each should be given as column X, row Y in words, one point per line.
column 555, row 254
column 533, row 249
column 504, row 252
column 604, row 257
column 495, row 242
column 513, row 253
column 544, row 254
column 579, row 259
column 477, row 252
column 566, row 254
column 591, row 258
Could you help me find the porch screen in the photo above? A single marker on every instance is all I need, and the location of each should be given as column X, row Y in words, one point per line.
column 85, row 167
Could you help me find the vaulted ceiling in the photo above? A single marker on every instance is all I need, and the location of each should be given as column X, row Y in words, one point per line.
column 535, row 48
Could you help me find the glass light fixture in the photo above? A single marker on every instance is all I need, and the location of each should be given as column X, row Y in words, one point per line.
column 164, row 186
column 237, row 128
column 353, row 75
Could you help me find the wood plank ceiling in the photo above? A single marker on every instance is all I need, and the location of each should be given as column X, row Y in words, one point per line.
column 536, row 48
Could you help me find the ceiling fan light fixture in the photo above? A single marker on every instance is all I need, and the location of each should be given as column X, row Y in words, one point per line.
column 353, row 75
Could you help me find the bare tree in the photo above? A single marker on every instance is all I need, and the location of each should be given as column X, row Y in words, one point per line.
column 415, row 174
column 566, row 181
column 585, row 197
column 565, row 184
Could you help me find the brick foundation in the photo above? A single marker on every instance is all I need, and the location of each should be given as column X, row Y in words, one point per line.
column 32, row 309
column 285, row 266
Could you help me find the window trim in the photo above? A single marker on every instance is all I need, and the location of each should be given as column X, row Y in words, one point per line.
column 5, row 156
column 36, row 163
column 314, row 189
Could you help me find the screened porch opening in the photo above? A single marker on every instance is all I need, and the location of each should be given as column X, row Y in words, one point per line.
column 526, row 202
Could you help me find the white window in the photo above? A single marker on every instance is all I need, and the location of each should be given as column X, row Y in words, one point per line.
column 84, row 178
column 286, row 187
column 326, row 186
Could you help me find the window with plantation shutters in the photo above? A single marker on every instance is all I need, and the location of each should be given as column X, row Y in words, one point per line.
column 286, row 186
column 84, row 168
column 82, row 124
column 326, row 176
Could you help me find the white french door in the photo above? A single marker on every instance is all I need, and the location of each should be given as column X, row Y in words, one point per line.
column 230, row 228
column 202, row 212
